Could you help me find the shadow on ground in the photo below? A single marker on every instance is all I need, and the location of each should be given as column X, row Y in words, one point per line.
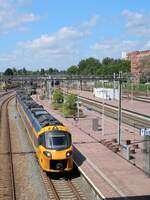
column 78, row 157
column 144, row 197
column 65, row 175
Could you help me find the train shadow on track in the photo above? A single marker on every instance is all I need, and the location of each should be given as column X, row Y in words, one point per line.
column 65, row 175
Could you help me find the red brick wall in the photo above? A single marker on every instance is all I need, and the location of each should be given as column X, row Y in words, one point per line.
column 140, row 63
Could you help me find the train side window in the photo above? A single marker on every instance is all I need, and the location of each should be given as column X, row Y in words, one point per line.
column 41, row 140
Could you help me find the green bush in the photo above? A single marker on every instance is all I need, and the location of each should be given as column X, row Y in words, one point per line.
column 69, row 107
column 57, row 99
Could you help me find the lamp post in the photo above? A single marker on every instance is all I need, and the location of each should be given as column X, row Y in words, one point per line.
column 103, row 110
column 78, row 114
column 132, row 90
column 114, row 86
column 119, row 108
column 147, row 87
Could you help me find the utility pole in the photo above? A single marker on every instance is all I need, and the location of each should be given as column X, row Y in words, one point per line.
column 78, row 112
column 119, row 108
column 147, row 87
column 114, row 86
column 103, row 114
column 49, row 88
column 132, row 90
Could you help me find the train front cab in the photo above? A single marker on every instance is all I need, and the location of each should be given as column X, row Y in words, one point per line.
column 55, row 150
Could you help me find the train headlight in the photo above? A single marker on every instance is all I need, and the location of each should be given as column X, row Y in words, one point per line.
column 68, row 153
column 47, row 154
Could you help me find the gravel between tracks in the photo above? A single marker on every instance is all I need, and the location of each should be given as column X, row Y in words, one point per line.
column 27, row 175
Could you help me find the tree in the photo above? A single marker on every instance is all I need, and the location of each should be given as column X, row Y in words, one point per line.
column 50, row 70
column 8, row 72
column 55, row 71
column 69, row 106
column 88, row 66
column 107, row 61
column 72, row 70
column 20, row 72
column 42, row 71
column 110, row 66
column 14, row 71
column 57, row 98
column 24, row 71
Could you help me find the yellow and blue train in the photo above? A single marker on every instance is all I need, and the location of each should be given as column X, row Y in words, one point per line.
column 50, row 138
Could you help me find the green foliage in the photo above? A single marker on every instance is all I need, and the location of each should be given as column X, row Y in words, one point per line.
column 92, row 66
column 88, row 66
column 42, row 71
column 57, row 98
column 8, row 72
column 72, row 70
column 14, row 71
column 110, row 66
column 69, row 107
column 108, row 61
column 22, row 71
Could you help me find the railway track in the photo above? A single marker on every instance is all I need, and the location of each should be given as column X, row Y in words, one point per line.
column 62, row 188
column 138, row 98
column 7, row 179
column 131, row 118
column 5, row 93
column 143, row 99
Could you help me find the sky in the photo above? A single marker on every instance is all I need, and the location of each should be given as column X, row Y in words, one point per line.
column 59, row 33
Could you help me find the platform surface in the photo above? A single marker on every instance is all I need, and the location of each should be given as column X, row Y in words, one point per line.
column 113, row 176
column 129, row 104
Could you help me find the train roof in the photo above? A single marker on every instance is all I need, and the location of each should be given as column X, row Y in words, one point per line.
column 38, row 108
column 37, row 112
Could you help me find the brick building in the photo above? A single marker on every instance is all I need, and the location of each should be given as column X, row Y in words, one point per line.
column 140, row 64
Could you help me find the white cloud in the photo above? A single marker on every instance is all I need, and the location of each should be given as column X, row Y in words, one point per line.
column 138, row 23
column 65, row 38
column 57, row 49
column 114, row 48
column 11, row 19
column 147, row 45
column 91, row 22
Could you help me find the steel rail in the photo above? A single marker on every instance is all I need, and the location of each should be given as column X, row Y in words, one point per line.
column 131, row 118
column 4, row 94
column 11, row 155
column 141, row 99
column 58, row 190
column 12, row 176
column 75, row 191
column 53, row 191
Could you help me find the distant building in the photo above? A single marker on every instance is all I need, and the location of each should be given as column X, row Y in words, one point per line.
column 106, row 93
column 124, row 55
column 140, row 63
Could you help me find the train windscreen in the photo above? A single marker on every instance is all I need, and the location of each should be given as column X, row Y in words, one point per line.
column 57, row 140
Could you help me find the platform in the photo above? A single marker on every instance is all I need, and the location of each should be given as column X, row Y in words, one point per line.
column 129, row 104
column 113, row 176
